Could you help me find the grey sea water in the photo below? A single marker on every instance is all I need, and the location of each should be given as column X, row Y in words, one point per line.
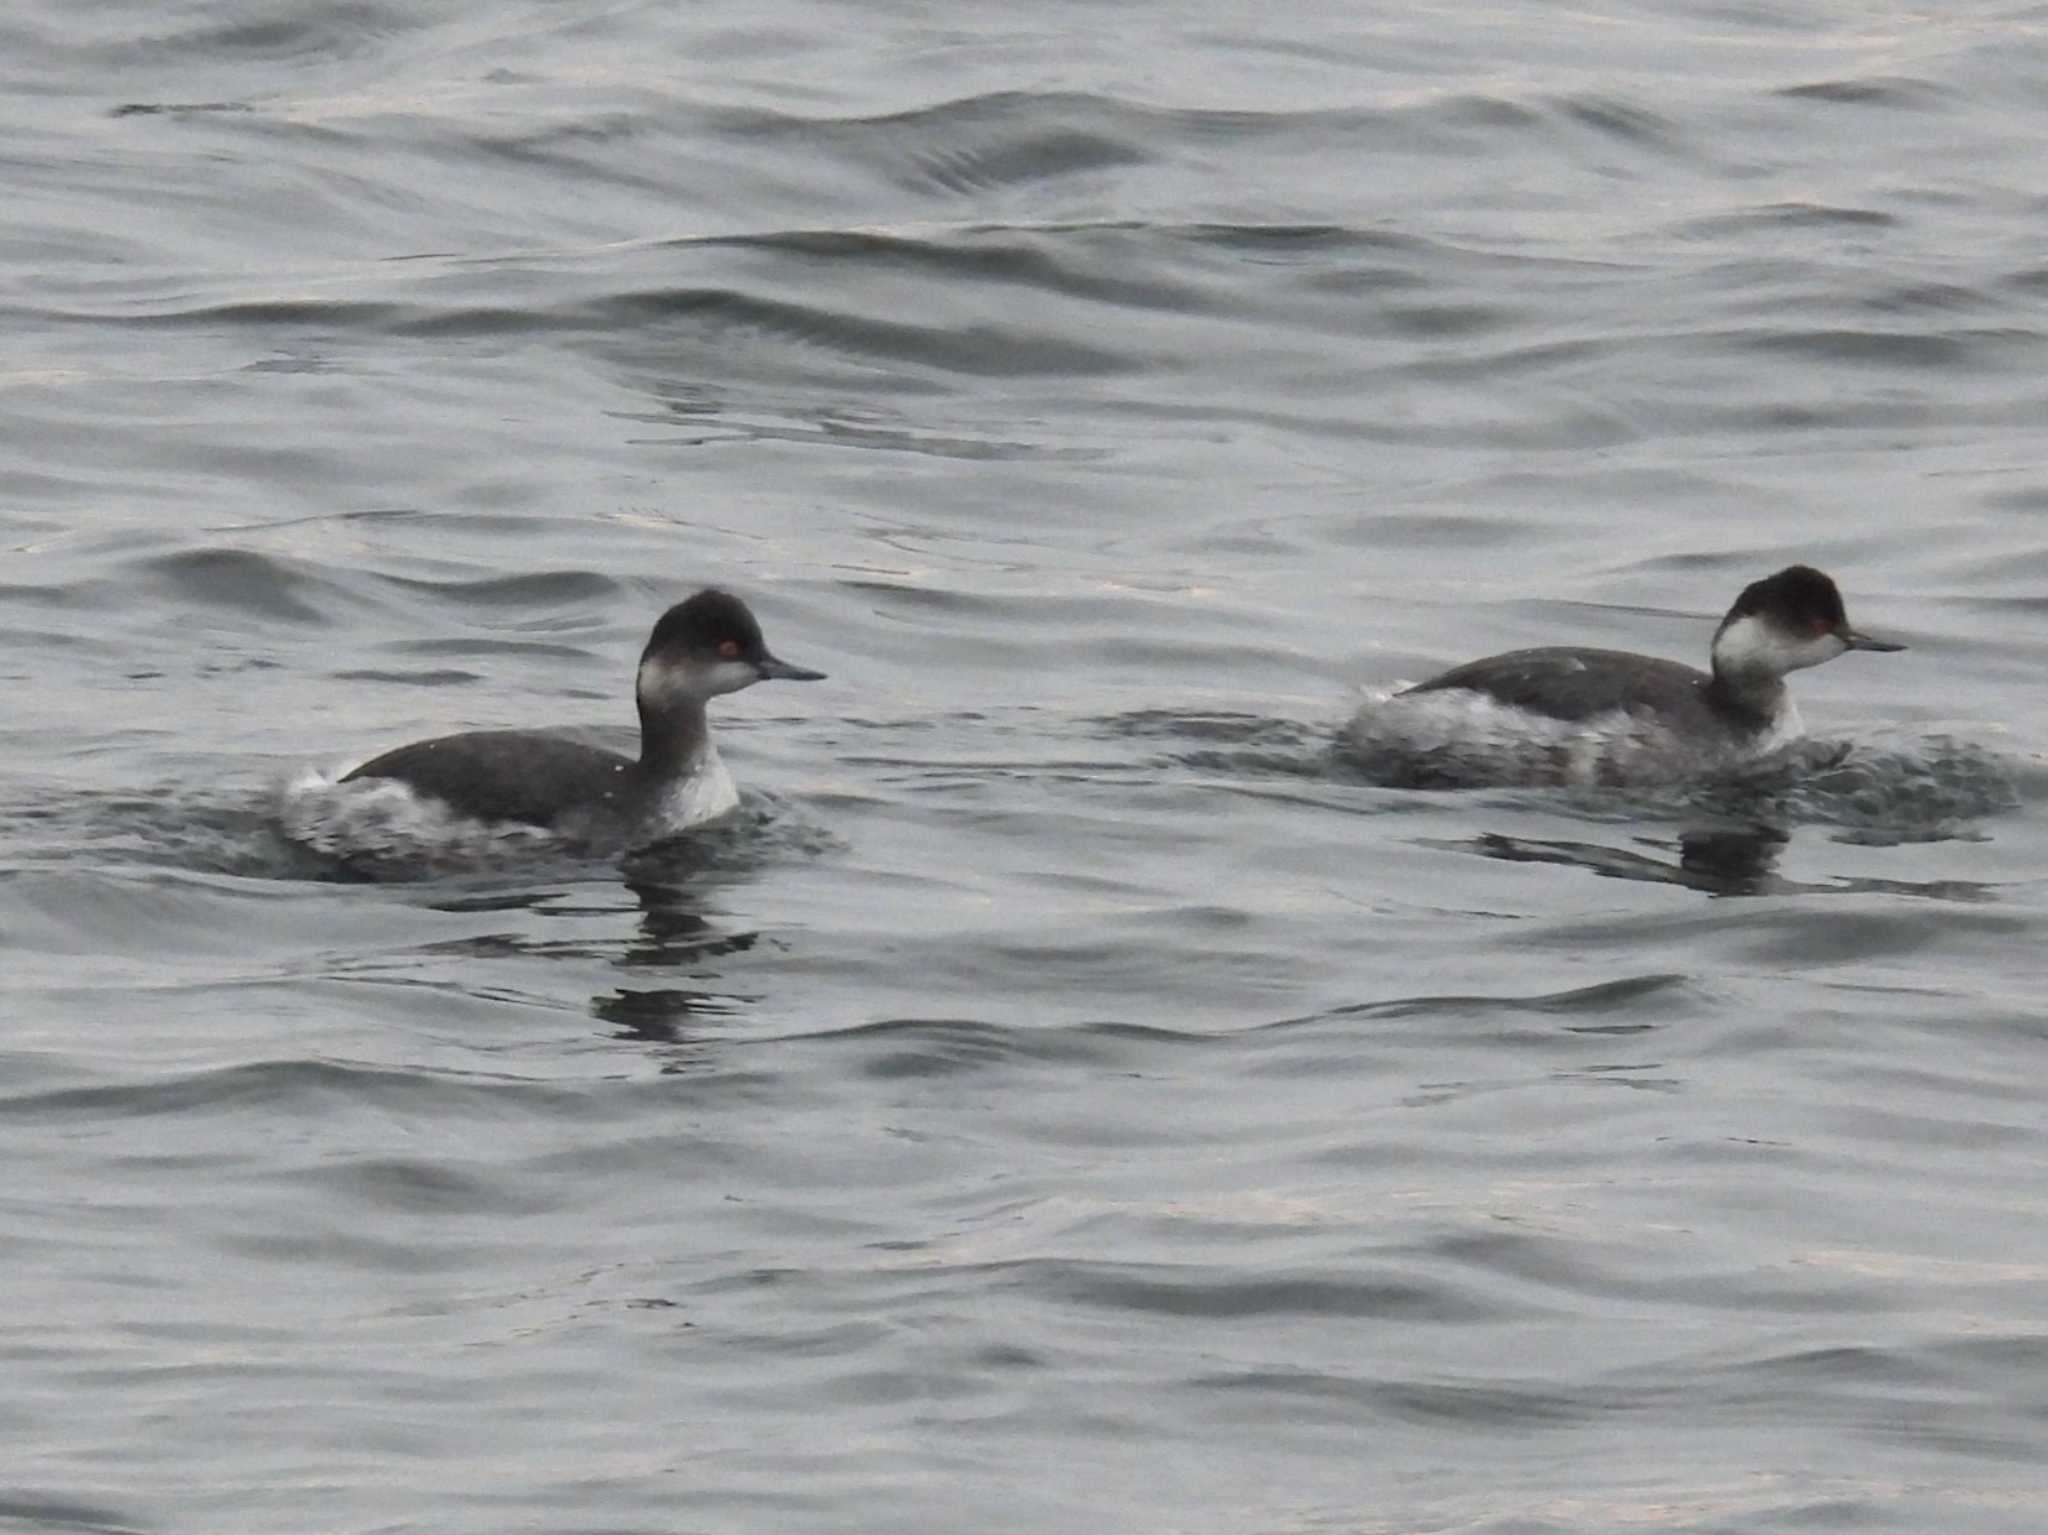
column 1069, row 1097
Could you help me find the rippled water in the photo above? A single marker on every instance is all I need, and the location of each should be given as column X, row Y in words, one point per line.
column 1069, row 1096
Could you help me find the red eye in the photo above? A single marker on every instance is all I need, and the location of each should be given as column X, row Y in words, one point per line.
column 1823, row 626
column 730, row 649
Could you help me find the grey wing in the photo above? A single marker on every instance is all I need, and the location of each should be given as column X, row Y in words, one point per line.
column 502, row 775
column 1568, row 683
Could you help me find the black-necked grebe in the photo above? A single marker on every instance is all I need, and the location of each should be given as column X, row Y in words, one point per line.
column 700, row 648
column 1565, row 714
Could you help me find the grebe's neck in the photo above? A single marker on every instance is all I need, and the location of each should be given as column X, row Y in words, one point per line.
column 1757, row 697
column 675, row 736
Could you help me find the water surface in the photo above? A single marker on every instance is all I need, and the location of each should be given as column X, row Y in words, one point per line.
column 1067, row 1097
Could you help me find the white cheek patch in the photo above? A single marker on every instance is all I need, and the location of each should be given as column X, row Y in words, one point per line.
column 731, row 676
column 1749, row 644
column 660, row 680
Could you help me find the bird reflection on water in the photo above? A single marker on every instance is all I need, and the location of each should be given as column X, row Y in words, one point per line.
column 1714, row 860
column 673, row 931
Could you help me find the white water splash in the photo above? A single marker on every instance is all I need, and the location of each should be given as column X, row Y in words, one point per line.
column 380, row 823
column 1456, row 738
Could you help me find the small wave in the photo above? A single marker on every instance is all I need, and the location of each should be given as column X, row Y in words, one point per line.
column 1770, row 217
column 980, row 348
column 1895, row 91
column 260, row 36
column 301, row 1087
column 1210, row 741
column 543, row 588
column 1389, row 1295
column 1621, row 120
column 244, row 581
column 176, row 108
column 36, row 1510
column 1622, row 995
column 979, row 144
column 936, row 1047
column 1957, row 350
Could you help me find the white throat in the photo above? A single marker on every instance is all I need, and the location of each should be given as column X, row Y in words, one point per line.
column 1753, row 647
column 703, row 794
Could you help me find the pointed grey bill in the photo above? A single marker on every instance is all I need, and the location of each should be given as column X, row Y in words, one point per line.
column 1855, row 639
column 768, row 666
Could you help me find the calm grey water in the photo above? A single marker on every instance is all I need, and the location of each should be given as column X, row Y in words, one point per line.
column 1068, row 1098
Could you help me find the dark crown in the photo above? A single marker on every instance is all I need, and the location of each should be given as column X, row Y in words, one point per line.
column 1798, row 594
column 700, row 624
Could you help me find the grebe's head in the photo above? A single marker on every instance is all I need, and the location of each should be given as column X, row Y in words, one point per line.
column 1784, row 622
column 705, row 646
